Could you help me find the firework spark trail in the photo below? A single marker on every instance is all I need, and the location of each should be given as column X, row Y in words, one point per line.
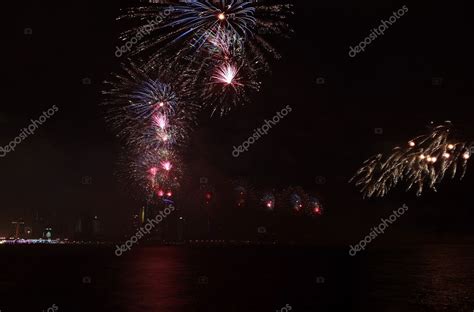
column 154, row 122
column 151, row 173
column 207, row 36
column 214, row 52
column 423, row 163
column 189, row 24
column 227, row 74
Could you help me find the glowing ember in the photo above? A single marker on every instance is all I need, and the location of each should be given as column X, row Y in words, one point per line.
column 160, row 121
column 226, row 74
column 419, row 171
column 153, row 171
column 166, row 165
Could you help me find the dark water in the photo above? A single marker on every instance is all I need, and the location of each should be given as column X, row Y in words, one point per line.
column 422, row 278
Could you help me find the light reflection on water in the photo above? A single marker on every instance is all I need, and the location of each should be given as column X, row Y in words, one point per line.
column 431, row 278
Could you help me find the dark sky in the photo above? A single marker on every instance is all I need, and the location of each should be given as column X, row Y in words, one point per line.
column 329, row 133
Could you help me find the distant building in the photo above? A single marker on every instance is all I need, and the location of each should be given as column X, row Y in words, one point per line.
column 180, row 228
column 48, row 233
column 96, row 229
column 19, row 229
column 87, row 228
column 28, row 232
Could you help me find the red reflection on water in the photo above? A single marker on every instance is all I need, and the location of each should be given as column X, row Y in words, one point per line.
column 155, row 279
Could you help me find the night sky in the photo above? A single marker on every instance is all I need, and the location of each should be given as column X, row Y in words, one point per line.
column 330, row 132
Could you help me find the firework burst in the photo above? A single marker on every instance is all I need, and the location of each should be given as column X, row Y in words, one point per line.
column 226, row 74
column 220, row 44
column 146, row 112
column 153, row 121
column 229, row 85
column 184, row 28
column 314, row 207
column 423, row 163
column 150, row 173
column 214, row 52
column 268, row 201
